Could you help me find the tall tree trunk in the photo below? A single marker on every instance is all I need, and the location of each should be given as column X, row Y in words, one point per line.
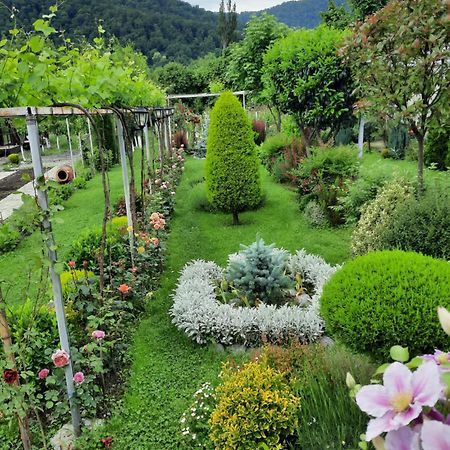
column 235, row 218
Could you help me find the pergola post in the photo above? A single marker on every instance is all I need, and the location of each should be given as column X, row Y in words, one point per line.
column 69, row 141
column 91, row 143
column 33, row 136
column 126, row 185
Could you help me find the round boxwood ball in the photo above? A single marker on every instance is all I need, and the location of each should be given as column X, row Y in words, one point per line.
column 388, row 298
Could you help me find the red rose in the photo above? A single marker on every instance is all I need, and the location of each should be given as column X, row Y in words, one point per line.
column 107, row 441
column 10, row 376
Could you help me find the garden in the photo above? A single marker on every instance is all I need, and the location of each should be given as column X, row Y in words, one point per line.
column 231, row 276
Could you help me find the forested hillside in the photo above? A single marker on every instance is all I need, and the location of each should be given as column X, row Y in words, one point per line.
column 298, row 14
column 173, row 28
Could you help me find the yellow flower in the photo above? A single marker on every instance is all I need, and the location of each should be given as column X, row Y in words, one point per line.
column 130, row 229
column 141, row 249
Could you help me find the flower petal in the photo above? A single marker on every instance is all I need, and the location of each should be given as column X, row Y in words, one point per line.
column 435, row 436
column 402, row 439
column 379, row 425
column 397, row 379
column 406, row 417
column 426, row 384
column 373, row 400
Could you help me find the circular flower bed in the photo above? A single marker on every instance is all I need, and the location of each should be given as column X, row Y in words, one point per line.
column 198, row 312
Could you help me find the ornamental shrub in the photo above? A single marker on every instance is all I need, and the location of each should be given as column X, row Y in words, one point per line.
column 256, row 408
column 323, row 176
column 359, row 193
column 437, row 147
column 376, row 216
column 232, row 170
column 258, row 272
column 421, row 225
column 259, row 128
column 14, row 158
column 388, row 298
column 398, row 141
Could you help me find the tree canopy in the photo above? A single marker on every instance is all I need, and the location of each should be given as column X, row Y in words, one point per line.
column 304, row 76
column 400, row 62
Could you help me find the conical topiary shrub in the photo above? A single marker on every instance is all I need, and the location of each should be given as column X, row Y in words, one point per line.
column 232, row 167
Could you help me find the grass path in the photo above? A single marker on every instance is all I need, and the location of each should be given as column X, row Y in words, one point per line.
column 167, row 368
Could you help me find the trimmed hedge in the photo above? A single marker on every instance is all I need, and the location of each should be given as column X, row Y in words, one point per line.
column 388, row 298
column 232, row 168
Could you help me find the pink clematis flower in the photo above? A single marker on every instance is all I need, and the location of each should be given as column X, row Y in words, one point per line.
column 402, row 439
column 439, row 358
column 435, row 435
column 401, row 397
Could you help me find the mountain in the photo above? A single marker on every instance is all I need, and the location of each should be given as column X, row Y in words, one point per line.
column 173, row 28
column 297, row 14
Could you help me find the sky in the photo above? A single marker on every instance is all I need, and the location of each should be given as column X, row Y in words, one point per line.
column 241, row 5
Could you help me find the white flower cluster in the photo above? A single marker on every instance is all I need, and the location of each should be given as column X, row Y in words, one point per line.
column 198, row 414
column 203, row 318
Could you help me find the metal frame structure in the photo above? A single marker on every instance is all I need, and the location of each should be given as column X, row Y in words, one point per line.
column 182, row 96
column 31, row 115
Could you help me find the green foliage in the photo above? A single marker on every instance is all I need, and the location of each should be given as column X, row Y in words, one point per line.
column 437, row 147
column 227, row 23
column 363, row 8
column 328, row 417
column 87, row 246
column 258, row 273
column 232, row 170
column 359, row 193
column 256, row 408
column 39, row 68
column 388, row 298
column 323, row 177
column 304, row 76
column 315, row 215
column 9, row 238
column 376, row 216
column 14, row 158
column 421, row 225
column 408, row 46
column 398, row 141
column 245, row 59
column 168, row 30
column 280, row 154
column 26, row 218
column 336, row 16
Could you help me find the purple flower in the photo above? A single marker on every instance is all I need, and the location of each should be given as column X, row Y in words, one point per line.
column 402, row 439
column 98, row 334
column 401, row 397
column 435, row 435
column 439, row 358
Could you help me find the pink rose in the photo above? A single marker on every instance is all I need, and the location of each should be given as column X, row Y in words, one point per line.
column 43, row 373
column 98, row 334
column 60, row 358
column 78, row 378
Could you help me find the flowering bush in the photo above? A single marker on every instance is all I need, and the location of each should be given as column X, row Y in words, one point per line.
column 194, row 422
column 197, row 311
column 410, row 407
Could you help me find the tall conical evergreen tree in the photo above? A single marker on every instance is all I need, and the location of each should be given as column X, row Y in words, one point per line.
column 232, row 166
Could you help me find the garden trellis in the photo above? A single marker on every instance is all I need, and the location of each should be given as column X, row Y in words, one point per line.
column 159, row 116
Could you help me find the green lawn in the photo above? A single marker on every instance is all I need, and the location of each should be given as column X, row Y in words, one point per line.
column 82, row 210
column 167, row 367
